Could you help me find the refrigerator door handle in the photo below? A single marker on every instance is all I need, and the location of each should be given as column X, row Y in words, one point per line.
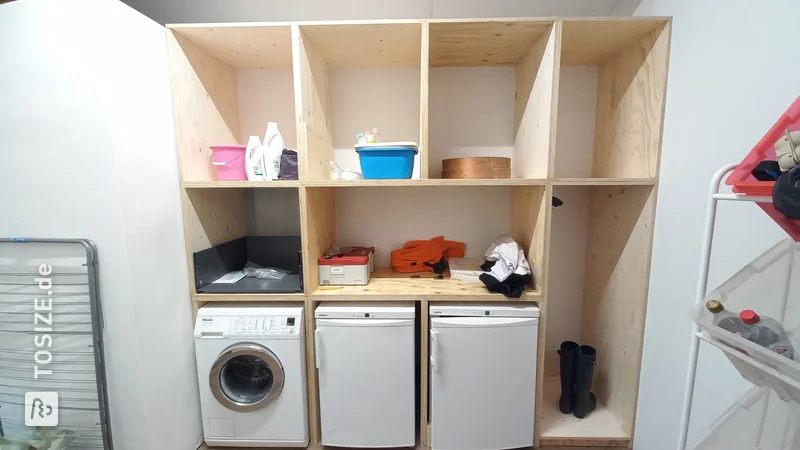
column 317, row 347
column 435, row 350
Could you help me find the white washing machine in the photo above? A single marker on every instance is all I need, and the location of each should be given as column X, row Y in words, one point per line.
column 482, row 376
column 365, row 358
column 252, row 369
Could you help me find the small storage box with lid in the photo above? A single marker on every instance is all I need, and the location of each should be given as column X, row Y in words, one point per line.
column 350, row 269
column 770, row 286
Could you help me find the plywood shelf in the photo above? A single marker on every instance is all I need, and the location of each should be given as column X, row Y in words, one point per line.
column 604, row 182
column 388, row 285
column 265, row 297
column 215, row 184
column 598, row 429
column 428, row 182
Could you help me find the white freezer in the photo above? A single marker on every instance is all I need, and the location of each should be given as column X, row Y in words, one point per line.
column 365, row 358
column 482, row 377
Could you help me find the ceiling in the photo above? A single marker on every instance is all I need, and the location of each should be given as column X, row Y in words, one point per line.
column 198, row 11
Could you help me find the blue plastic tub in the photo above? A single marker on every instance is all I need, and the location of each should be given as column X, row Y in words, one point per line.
column 386, row 162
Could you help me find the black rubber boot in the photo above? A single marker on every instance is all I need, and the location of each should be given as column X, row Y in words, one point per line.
column 568, row 353
column 585, row 401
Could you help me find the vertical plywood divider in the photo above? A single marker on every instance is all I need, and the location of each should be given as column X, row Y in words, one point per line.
column 424, row 69
column 313, row 107
column 315, row 430
column 318, row 229
column 530, row 227
column 536, row 84
column 424, row 336
column 205, row 106
column 619, row 245
column 530, row 214
column 630, row 109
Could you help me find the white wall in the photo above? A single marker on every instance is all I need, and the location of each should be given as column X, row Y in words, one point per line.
column 729, row 81
column 88, row 151
column 266, row 95
column 471, row 113
column 274, row 212
column 389, row 217
column 363, row 99
column 577, row 107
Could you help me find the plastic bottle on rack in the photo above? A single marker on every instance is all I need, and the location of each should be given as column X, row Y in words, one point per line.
column 727, row 320
column 767, row 332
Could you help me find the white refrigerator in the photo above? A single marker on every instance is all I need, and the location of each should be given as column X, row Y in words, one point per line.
column 365, row 359
column 482, row 376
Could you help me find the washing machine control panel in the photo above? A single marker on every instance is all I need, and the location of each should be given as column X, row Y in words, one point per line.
column 264, row 326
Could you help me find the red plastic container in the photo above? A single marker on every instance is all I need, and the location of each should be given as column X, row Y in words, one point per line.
column 745, row 183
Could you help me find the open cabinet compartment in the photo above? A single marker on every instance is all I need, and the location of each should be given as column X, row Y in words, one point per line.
column 612, row 86
column 388, row 217
column 364, row 75
column 228, row 81
column 597, row 291
column 215, row 218
column 491, row 92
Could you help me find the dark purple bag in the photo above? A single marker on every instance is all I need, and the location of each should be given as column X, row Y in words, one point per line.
column 288, row 169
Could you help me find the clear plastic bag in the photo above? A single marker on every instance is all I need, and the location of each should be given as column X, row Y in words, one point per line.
column 252, row 269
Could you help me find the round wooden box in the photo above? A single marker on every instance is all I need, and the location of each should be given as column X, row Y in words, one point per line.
column 476, row 168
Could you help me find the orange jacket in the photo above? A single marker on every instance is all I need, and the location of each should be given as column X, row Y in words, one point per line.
column 420, row 256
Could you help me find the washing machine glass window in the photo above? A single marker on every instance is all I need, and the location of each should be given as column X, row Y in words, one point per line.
column 246, row 377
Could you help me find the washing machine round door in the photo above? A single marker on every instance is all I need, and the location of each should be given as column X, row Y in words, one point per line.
column 246, row 377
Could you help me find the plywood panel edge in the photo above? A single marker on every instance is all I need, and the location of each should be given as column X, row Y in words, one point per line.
column 204, row 102
column 557, row 29
column 654, row 196
column 533, row 108
column 423, row 100
column 424, row 334
column 665, row 34
column 540, row 373
column 619, row 247
column 543, row 234
column 651, row 215
column 313, row 108
column 315, row 430
column 185, row 208
column 297, row 85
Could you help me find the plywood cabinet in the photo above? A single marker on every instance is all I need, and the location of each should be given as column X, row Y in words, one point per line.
column 577, row 104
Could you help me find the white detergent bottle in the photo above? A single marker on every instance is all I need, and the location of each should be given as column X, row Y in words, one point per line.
column 273, row 147
column 254, row 159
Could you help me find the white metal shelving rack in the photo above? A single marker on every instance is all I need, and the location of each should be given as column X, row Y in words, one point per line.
column 714, row 197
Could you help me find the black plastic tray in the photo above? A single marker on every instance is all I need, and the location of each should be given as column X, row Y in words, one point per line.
column 283, row 252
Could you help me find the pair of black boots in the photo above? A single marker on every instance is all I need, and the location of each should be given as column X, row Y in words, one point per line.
column 577, row 370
